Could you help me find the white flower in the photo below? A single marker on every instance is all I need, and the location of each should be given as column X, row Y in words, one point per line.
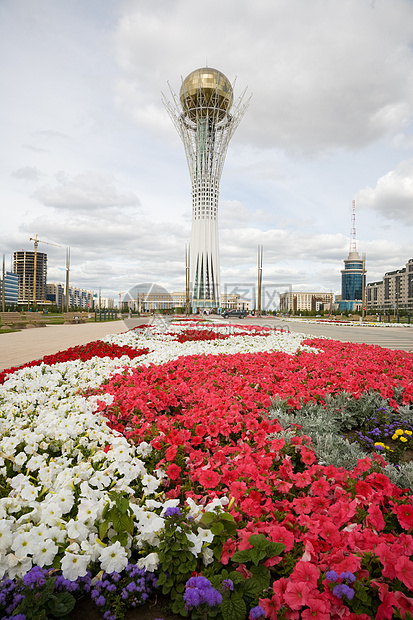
column 24, row 543
column 113, row 558
column 29, row 492
column 51, row 513
column 65, row 501
column 16, row 566
column 207, row 556
column 150, row 484
column 203, row 536
column 87, row 511
column 74, row 566
column 20, row 458
column 45, row 553
column 144, row 449
column 35, row 462
column 77, row 530
column 5, row 534
column 149, row 562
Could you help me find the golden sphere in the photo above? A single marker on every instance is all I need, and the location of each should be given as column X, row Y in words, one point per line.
column 206, row 90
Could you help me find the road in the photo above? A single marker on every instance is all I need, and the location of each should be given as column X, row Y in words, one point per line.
column 30, row 344
column 389, row 337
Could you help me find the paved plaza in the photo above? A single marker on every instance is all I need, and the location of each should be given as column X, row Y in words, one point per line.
column 30, row 344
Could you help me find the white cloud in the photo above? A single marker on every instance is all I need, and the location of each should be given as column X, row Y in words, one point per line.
column 323, row 74
column 85, row 191
column 28, row 173
column 393, row 195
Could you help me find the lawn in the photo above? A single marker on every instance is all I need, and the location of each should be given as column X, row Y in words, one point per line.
column 236, row 472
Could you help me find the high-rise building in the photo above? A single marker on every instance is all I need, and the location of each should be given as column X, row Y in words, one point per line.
column 11, row 288
column 352, row 278
column 28, row 266
column 296, row 301
column 78, row 297
column 206, row 119
column 353, row 272
column 394, row 292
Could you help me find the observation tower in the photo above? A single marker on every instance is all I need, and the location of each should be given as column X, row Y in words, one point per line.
column 206, row 118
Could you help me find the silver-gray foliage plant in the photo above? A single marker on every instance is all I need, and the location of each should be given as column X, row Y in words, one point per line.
column 325, row 422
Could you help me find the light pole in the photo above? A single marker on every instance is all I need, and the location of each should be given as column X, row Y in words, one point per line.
column 260, row 254
column 363, row 287
column 187, row 283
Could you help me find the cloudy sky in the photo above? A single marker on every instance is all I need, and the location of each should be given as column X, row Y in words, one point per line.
column 91, row 160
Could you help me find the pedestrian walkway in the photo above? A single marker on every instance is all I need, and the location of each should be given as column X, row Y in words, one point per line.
column 18, row 348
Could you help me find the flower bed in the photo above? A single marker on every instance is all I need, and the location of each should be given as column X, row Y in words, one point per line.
column 170, row 461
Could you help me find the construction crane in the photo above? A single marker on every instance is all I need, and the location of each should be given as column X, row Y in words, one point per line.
column 36, row 243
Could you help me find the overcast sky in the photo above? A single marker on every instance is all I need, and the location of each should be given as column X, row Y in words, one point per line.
column 91, row 160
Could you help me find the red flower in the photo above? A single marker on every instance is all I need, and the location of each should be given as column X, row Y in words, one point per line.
column 209, row 478
column 375, row 517
column 404, row 514
column 296, row 595
column 305, row 572
column 173, row 472
column 404, row 571
column 318, row 610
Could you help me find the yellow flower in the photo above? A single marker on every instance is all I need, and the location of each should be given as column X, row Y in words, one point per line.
column 403, row 439
column 408, row 432
column 399, row 432
column 394, row 437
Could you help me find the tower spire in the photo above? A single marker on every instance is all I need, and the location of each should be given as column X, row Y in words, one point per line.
column 353, row 242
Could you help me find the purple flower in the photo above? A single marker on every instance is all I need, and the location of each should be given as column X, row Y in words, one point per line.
column 349, row 577
column 198, row 582
column 256, row 612
column 172, row 510
column 228, row 584
column 331, row 575
column 100, row 601
column 193, row 597
column 342, row 590
column 212, row 597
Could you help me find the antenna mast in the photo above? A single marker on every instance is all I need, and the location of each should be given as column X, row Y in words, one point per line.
column 353, row 244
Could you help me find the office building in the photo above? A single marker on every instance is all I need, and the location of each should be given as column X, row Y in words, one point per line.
column 11, row 289
column 297, row 301
column 31, row 268
column 394, row 292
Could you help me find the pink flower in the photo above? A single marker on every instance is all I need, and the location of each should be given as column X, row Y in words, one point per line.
column 405, row 515
column 305, row 572
column 375, row 517
column 404, row 571
column 318, row 610
column 209, row 478
column 296, row 595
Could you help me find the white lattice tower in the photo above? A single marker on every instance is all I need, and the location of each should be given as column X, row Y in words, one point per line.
column 206, row 121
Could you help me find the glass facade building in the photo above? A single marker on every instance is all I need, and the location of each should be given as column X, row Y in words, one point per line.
column 11, row 288
column 352, row 278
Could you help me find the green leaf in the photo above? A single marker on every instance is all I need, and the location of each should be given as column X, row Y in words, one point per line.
column 242, row 556
column 258, row 541
column 103, row 529
column 217, row 528
column 236, row 577
column 261, row 575
column 273, row 549
column 161, row 580
column 61, row 604
column 207, row 518
column 234, row 608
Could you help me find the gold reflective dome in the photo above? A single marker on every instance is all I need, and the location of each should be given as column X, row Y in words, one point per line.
column 206, row 89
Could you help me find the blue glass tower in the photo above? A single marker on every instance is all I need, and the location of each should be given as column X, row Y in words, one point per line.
column 352, row 278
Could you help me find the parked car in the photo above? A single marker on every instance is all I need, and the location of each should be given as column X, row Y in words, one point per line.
column 228, row 314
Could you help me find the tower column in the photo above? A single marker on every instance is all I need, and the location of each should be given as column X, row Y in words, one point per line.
column 205, row 120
